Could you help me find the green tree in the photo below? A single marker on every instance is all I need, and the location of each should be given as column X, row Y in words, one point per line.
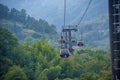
column 43, row 75
column 89, row 76
column 53, row 72
column 15, row 73
column 7, row 42
column 4, row 12
column 5, row 64
column 106, row 75
column 15, row 14
column 23, row 15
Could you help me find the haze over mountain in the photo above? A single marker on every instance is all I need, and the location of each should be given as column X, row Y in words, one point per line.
column 52, row 11
column 94, row 25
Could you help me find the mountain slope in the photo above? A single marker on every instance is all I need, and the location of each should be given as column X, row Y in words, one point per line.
column 94, row 24
column 96, row 32
column 25, row 26
column 52, row 11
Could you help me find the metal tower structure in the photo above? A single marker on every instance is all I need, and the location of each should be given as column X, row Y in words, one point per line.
column 68, row 32
column 114, row 26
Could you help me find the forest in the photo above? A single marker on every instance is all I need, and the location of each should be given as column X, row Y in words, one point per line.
column 27, row 54
column 26, row 27
column 41, row 61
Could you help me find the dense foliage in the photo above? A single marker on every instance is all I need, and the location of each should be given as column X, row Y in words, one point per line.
column 41, row 61
column 25, row 26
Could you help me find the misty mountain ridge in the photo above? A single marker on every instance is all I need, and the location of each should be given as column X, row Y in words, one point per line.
column 94, row 25
column 52, row 11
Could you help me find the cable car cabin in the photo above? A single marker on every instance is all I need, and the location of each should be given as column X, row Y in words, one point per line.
column 62, row 41
column 74, row 42
column 64, row 53
column 80, row 43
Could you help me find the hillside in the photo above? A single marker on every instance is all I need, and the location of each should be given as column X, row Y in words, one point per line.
column 96, row 32
column 25, row 26
column 94, row 25
column 41, row 61
column 52, row 11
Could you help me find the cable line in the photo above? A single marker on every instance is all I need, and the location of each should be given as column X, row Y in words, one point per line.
column 64, row 12
column 67, row 43
column 85, row 12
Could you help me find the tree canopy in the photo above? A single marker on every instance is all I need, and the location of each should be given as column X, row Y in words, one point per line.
column 41, row 61
column 26, row 27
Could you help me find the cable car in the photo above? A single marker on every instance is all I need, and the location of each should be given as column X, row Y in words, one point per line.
column 80, row 43
column 62, row 41
column 64, row 53
column 74, row 42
